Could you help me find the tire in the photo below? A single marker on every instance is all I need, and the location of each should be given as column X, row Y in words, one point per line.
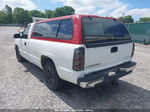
column 114, row 82
column 18, row 55
column 52, row 79
column 145, row 42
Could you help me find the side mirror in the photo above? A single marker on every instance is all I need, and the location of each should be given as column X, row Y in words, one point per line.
column 18, row 35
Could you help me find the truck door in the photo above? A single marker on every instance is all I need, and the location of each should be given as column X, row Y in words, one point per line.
column 24, row 42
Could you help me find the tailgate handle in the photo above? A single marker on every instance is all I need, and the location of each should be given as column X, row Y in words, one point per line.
column 114, row 49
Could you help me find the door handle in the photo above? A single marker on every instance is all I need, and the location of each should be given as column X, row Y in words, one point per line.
column 114, row 49
column 25, row 43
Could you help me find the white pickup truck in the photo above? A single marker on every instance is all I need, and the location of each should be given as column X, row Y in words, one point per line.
column 81, row 49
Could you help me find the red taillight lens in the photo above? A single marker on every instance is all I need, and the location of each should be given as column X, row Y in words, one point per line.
column 78, row 60
column 133, row 50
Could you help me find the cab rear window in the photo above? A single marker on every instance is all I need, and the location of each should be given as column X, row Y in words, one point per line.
column 103, row 30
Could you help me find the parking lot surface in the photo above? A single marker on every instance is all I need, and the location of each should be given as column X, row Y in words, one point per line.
column 22, row 85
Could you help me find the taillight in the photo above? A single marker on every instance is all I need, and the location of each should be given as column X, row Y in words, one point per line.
column 78, row 60
column 133, row 50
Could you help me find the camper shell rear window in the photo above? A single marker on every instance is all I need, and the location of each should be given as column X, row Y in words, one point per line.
column 96, row 30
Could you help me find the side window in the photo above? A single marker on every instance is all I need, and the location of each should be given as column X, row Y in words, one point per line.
column 26, row 31
column 46, row 29
column 65, row 29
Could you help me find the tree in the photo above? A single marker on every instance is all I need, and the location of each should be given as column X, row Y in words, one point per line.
column 54, row 14
column 69, row 10
column 8, row 12
column 127, row 19
column 144, row 19
column 2, row 17
column 63, row 11
column 48, row 13
column 21, row 16
column 36, row 13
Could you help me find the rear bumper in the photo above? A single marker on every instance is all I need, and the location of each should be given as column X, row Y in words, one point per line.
column 90, row 80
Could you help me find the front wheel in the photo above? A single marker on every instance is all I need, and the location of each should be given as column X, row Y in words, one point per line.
column 52, row 78
column 18, row 55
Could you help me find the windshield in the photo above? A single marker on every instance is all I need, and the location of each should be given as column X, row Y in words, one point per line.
column 103, row 30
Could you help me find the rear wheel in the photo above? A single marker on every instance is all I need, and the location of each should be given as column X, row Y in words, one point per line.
column 114, row 82
column 52, row 78
column 146, row 41
column 18, row 55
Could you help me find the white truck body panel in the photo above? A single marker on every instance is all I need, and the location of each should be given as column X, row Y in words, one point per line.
column 99, row 58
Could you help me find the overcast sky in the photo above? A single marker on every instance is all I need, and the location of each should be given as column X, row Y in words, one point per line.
column 115, row 8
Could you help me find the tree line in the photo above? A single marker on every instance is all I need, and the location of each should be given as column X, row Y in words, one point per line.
column 129, row 19
column 22, row 16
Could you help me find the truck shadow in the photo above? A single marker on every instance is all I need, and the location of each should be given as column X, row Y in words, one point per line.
column 106, row 96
